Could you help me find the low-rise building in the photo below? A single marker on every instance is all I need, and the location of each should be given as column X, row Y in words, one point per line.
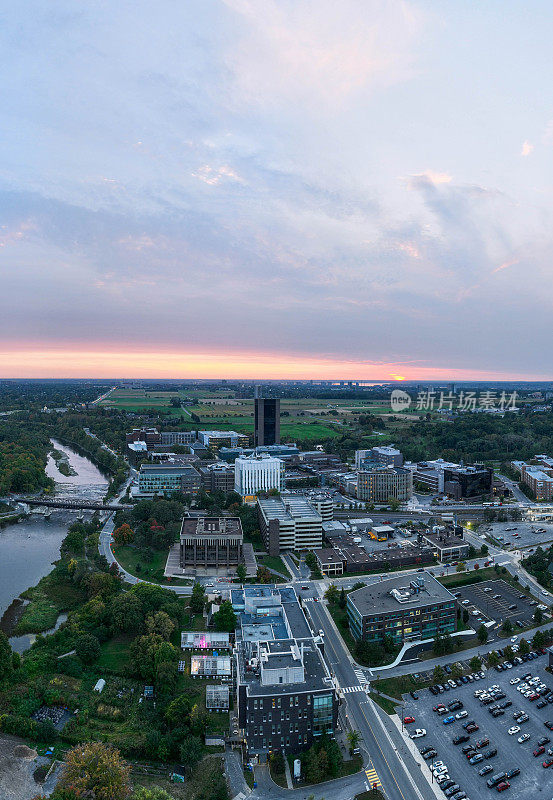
column 402, row 610
column 217, row 439
column 211, row 542
column 162, row 479
column 539, row 478
column 447, row 545
column 289, row 522
column 347, row 558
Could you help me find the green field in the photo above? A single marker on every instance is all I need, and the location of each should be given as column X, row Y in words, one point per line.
column 135, row 562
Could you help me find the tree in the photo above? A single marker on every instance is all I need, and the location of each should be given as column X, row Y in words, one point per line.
column 438, row 674
column 176, row 402
column 178, row 710
column 95, row 770
column 538, row 616
column 507, row 627
column 461, row 566
column 332, row 594
column 225, row 618
column 149, row 652
column 151, row 793
column 241, row 573
column 87, row 648
column 465, row 616
column 475, row 663
column 353, row 740
column 482, row 634
column 539, row 639
column 343, row 601
column 124, row 534
column 160, row 623
column 524, row 647
column 508, row 652
column 191, row 751
column 456, row 670
column 126, row 612
column 197, row 599
column 484, row 550
column 493, row 659
column 393, row 503
column 6, row 665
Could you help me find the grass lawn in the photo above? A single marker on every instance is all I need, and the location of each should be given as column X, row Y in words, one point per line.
column 276, row 563
column 346, row 768
column 398, row 686
column 133, row 560
column 384, row 703
column 115, row 654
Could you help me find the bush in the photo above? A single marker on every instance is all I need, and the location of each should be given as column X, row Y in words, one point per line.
column 87, row 648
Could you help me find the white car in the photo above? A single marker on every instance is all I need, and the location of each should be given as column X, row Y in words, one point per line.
column 523, row 738
column 438, row 764
column 514, row 639
column 514, row 680
column 418, row 733
column 462, row 714
column 529, row 693
column 443, row 777
column 513, row 730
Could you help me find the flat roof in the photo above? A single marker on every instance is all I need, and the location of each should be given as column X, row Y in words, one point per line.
column 439, row 540
column 288, row 507
column 161, row 469
column 376, row 598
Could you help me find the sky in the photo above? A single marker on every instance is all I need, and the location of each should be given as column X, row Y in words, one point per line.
column 276, row 188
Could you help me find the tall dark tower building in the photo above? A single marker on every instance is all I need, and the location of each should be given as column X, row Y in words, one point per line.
column 266, row 421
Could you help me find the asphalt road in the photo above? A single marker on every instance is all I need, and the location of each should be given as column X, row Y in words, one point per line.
column 400, row 779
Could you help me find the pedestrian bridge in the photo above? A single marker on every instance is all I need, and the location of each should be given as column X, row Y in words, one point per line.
column 73, row 504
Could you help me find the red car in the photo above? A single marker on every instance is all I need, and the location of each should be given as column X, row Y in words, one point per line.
column 407, row 720
column 437, row 708
column 539, row 751
column 533, row 697
column 502, row 786
column 547, row 763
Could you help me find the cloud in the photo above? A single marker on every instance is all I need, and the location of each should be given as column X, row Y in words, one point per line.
column 319, row 52
column 526, row 148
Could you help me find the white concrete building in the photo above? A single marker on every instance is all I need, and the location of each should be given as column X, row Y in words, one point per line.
column 258, row 473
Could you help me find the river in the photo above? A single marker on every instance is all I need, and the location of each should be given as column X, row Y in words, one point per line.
column 28, row 549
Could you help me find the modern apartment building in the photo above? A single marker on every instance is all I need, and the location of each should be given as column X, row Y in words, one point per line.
column 162, row 479
column 210, row 542
column 377, row 483
column 258, row 473
column 289, row 522
column 402, row 610
column 266, row 421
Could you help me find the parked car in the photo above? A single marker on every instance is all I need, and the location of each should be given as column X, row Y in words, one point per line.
column 490, row 753
column 485, row 770
column 539, row 751
column 512, row 773
column 416, row 734
column 523, row 738
column 502, row 786
column 408, row 720
column 513, row 730
column 482, row 742
column 476, row 759
column 461, row 714
column 448, row 720
column 472, row 727
column 547, row 763
column 462, row 737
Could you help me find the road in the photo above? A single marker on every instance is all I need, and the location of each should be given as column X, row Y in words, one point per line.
column 400, row 779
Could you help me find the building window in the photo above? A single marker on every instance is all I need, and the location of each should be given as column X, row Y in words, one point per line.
column 322, row 714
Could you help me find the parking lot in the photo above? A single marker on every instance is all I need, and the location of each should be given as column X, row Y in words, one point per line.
column 533, row 778
column 494, row 599
column 521, row 534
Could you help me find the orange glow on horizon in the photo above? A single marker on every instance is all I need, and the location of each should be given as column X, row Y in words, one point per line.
column 32, row 362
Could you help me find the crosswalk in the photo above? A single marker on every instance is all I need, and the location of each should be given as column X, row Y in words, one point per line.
column 360, row 675
column 356, row 688
column 373, row 778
